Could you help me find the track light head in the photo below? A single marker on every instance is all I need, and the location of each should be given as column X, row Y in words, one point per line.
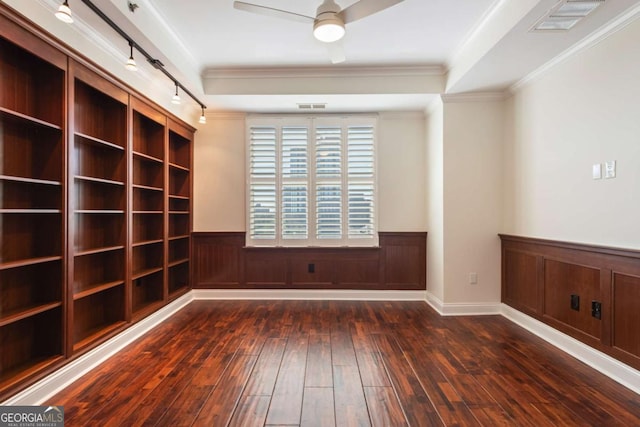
column 176, row 98
column 131, row 63
column 202, row 119
column 64, row 13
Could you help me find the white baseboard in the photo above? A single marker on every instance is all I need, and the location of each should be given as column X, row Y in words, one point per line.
column 307, row 294
column 614, row 369
column 464, row 309
column 44, row 389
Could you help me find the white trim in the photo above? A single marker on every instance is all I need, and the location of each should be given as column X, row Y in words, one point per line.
column 474, row 97
column 462, row 309
column 307, row 294
column 584, row 44
column 612, row 368
column 322, row 72
column 54, row 383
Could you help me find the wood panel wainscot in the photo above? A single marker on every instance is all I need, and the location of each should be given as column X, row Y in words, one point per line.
column 221, row 261
column 589, row 292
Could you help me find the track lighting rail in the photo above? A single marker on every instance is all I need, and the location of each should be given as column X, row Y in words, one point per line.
column 156, row 63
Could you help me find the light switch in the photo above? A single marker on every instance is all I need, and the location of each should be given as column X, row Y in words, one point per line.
column 610, row 169
column 597, row 171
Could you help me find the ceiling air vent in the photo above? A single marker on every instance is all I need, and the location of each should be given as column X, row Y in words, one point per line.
column 312, row 106
column 566, row 15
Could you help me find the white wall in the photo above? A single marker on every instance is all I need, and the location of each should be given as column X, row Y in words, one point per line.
column 219, row 173
column 585, row 110
column 472, row 199
column 435, row 200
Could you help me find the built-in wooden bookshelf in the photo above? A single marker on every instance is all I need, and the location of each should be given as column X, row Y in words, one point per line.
column 148, row 233
column 179, row 205
column 98, row 161
column 95, row 204
column 32, row 204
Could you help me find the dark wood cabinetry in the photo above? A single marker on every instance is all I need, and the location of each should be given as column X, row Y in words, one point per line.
column 95, row 205
column 98, row 165
column 32, row 204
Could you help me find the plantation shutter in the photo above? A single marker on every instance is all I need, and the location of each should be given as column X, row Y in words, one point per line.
column 328, row 183
column 295, row 197
column 361, row 192
column 262, row 187
column 311, row 181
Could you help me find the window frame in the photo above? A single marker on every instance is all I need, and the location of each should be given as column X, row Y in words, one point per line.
column 278, row 122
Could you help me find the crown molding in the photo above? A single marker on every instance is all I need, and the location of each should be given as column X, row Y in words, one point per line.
column 225, row 115
column 584, row 44
column 451, row 98
column 323, row 72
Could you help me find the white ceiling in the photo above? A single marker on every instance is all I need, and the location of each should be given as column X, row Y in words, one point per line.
column 397, row 60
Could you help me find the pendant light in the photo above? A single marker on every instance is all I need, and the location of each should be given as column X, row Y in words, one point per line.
column 202, row 119
column 176, row 97
column 64, row 13
column 131, row 63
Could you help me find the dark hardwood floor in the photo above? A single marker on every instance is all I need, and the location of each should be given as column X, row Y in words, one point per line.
column 325, row 363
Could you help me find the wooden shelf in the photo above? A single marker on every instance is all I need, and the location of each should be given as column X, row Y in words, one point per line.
column 147, row 187
column 27, row 262
column 28, row 119
column 179, row 212
column 172, row 238
column 147, row 272
column 96, row 289
column 30, row 211
column 175, row 196
column 98, row 250
column 147, row 157
column 148, row 212
column 178, row 262
column 96, row 333
column 98, row 180
column 100, row 211
column 16, row 315
column 98, row 141
column 175, row 166
column 147, row 242
column 13, row 376
column 29, row 180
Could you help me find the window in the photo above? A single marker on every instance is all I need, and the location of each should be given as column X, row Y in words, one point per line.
column 311, row 181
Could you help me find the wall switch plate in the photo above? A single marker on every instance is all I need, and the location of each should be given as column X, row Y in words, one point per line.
column 597, row 171
column 473, row 278
column 610, row 169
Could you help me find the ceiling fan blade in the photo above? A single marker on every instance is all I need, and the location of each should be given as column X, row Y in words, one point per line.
column 364, row 8
column 336, row 52
column 269, row 11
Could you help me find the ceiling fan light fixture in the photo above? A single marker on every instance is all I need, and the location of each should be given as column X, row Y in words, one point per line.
column 329, row 29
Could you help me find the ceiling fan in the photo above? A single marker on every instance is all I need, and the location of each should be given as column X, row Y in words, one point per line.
column 329, row 22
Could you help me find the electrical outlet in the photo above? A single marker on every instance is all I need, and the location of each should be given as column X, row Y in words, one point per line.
column 473, row 278
column 575, row 302
column 596, row 309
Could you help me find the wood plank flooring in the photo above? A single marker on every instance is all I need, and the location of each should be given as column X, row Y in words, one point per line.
column 342, row 363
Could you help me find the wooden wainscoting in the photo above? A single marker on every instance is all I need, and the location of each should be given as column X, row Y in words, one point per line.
column 539, row 278
column 221, row 261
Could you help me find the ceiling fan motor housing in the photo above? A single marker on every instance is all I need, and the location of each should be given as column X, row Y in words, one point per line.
column 328, row 26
